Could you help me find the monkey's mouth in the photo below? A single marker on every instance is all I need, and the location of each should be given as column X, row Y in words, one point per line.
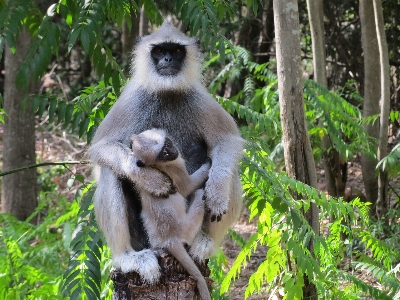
column 168, row 71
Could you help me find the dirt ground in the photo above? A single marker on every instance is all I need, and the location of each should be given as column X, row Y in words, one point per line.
column 56, row 145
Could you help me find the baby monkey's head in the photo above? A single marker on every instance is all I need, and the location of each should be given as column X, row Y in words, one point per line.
column 152, row 147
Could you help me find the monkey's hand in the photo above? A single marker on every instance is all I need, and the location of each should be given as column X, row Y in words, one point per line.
column 143, row 262
column 154, row 182
column 216, row 196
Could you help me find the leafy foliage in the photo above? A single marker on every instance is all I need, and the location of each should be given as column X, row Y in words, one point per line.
column 202, row 18
column 286, row 235
column 32, row 257
column 282, row 228
column 35, row 255
column 88, row 268
column 12, row 17
column 83, row 114
column 327, row 112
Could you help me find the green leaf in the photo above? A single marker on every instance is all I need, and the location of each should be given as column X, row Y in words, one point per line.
column 52, row 109
column 221, row 49
column 62, row 107
column 35, row 104
column 295, row 219
column 94, row 270
column 76, row 120
column 42, row 107
column 90, row 294
column 72, row 38
column 84, row 126
column 85, row 38
column 68, row 114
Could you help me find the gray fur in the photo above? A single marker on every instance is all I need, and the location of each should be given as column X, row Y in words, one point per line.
column 197, row 124
column 167, row 223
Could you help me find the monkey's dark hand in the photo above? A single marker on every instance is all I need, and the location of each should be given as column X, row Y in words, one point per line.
column 216, row 196
column 214, row 217
column 154, row 182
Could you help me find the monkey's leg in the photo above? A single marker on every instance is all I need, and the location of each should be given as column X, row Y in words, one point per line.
column 194, row 218
column 206, row 241
column 111, row 215
column 178, row 251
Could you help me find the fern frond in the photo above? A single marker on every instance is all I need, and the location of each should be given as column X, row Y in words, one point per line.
column 80, row 114
column 240, row 261
column 341, row 119
column 385, row 278
column 249, row 89
column 364, row 287
column 380, row 250
column 263, row 121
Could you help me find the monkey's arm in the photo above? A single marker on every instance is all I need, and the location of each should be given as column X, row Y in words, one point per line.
column 225, row 150
column 225, row 156
column 120, row 159
column 196, row 179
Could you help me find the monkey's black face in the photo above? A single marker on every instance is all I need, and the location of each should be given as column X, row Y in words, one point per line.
column 168, row 58
column 169, row 152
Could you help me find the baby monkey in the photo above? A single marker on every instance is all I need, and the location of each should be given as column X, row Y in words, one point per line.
column 168, row 222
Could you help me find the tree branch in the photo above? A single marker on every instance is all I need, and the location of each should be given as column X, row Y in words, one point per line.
column 57, row 163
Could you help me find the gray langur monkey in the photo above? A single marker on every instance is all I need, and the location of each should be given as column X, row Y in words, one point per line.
column 166, row 221
column 166, row 91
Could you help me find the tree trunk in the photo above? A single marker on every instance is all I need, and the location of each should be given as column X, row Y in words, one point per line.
column 316, row 19
column 299, row 160
column 334, row 164
column 175, row 283
column 128, row 39
column 382, row 202
column 144, row 23
column 19, row 190
column 371, row 95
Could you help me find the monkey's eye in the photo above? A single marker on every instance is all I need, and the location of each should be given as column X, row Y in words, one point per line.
column 157, row 51
column 178, row 51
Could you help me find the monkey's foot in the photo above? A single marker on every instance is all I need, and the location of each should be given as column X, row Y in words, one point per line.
column 143, row 262
column 202, row 247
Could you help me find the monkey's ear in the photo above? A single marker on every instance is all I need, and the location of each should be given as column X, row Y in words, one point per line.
column 140, row 164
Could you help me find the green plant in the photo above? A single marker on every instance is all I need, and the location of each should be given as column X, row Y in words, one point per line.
column 87, row 275
column 32, row 257
column 280, row 222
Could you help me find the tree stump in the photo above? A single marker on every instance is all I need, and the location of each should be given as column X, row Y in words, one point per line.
column 175, row 283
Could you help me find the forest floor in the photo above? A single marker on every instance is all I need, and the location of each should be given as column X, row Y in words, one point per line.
column 55, row 145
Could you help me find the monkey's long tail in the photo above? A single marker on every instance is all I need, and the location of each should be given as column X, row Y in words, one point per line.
column 179, row 252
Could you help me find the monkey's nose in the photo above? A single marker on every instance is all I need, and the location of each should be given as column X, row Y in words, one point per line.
column 168, row 59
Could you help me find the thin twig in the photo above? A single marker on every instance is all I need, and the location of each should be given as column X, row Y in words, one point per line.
column 57, row 163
